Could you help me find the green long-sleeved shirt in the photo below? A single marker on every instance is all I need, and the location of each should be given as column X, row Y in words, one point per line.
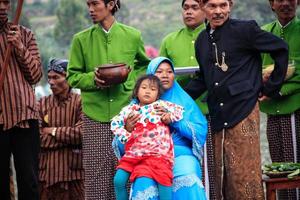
column 179, row 47
column 290, row 101
column 94, row 47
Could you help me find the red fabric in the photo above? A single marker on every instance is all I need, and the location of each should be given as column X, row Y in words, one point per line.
column 157, row 168
column 139, row 128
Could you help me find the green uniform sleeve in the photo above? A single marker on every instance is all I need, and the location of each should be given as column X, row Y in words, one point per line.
column 163, row 49
column 76, row 73
column 292, row 85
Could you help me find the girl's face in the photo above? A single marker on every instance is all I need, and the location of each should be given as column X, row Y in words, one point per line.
column 147, row 93
column 166, row 75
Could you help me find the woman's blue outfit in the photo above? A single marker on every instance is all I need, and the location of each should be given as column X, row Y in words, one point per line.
column 189, row 135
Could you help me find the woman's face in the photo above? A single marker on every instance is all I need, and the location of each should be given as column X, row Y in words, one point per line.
column 166, row 75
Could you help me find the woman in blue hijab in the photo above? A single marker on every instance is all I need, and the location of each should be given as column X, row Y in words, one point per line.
column 189, row 135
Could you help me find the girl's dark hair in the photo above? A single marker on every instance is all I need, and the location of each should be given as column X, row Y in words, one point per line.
column 153, row 80
column 117, row 5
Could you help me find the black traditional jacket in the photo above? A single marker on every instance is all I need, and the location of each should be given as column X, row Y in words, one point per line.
column 233, row 91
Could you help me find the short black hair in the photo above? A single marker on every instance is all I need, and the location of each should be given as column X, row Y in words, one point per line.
column 117, row 5
column 205, row 1
column 153, row 80
column 183, row 1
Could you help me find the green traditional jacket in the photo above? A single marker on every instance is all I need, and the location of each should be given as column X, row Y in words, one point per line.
column 179, row 47
column 94, row 47
column 290, row 100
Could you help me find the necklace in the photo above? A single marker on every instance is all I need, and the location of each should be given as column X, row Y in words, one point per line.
column 223, row 65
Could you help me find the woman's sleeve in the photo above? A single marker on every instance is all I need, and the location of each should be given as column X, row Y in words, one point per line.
column 196, row 131
column 192, row 130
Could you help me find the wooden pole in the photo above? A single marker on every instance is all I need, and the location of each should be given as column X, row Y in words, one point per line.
column 9, row 47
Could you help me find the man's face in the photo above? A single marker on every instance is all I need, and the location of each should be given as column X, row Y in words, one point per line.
column 4, row 8
column 57, row 82
column 217, row 12
column 98, row 10
column 192, row 14
column 284, row 9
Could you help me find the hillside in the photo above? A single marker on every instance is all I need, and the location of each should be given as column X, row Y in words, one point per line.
column 156, row 18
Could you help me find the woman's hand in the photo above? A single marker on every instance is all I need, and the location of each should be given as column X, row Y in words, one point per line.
column 131, row 120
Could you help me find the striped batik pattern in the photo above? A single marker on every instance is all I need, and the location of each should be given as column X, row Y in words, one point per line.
column 17, row 99
column 61, row 155
column 75, row 191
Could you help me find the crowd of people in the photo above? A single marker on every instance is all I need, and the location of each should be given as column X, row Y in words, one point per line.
column 156, row 135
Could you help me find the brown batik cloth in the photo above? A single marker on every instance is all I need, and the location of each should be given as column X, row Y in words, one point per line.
column 238, row 161
column 99, row 161
column 279, row 133
column 72, row 190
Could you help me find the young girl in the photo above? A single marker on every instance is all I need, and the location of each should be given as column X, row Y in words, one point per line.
column 148, row 143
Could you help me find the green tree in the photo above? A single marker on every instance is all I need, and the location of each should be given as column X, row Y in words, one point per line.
column 255, row 9
column 51, row 7
column 70, row 19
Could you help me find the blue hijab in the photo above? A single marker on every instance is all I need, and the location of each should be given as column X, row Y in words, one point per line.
column 193, row 117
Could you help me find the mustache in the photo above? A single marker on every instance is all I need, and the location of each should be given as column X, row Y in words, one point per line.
column 218, row 16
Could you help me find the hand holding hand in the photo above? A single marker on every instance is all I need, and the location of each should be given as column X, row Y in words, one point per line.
column 166, row 118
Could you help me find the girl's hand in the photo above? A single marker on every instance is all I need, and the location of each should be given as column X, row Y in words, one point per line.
column 166, row 118
column 160, row 110
column 131, row 120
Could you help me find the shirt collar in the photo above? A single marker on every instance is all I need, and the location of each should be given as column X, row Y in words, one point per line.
column 60, row 100
column 195, row 32
column 288, row 24
column 216, row 32
column 111, row 28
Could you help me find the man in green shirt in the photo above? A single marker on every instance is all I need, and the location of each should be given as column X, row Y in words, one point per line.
column 179, row 47
column 107, row 41
column 283, row 125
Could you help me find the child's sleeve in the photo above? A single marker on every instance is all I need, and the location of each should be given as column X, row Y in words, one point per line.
column 117, row 125
column 176, row 111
